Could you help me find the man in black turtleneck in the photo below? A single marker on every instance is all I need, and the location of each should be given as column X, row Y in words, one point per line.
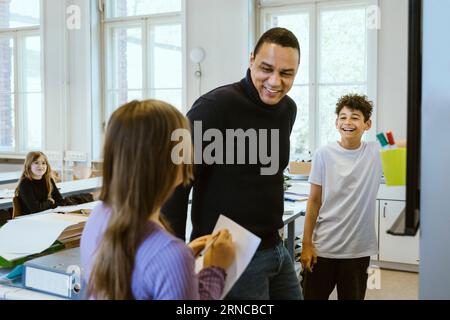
column 250, row 193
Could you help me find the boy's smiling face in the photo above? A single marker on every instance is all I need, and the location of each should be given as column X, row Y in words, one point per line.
column 351, row 125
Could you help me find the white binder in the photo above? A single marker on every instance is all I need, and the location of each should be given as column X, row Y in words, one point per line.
column 59, row 274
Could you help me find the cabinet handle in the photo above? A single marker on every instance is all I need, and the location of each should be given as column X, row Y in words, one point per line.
column 384, row 210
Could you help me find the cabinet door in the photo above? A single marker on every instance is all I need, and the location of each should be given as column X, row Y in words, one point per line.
column 400, row 249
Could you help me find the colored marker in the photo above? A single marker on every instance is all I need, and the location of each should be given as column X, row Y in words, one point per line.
column 391, row 140
column 382, row 139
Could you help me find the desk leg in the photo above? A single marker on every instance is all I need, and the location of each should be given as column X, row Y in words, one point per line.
column 291, row 239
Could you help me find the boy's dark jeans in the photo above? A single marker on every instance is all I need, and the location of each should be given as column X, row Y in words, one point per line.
column 349, row 275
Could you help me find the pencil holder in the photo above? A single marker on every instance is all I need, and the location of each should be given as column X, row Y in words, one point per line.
column 394, row 166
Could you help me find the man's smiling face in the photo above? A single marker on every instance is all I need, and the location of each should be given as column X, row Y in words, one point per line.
column 273, row 71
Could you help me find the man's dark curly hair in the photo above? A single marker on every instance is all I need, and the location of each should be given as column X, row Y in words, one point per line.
column 356, row 102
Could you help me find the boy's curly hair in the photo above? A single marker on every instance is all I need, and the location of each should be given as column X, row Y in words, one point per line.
column 356, row 102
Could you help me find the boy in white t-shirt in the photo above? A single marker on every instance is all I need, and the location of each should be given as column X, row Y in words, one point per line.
column 339, row 235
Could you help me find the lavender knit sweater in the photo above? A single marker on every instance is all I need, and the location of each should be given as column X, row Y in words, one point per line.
column 164, row 265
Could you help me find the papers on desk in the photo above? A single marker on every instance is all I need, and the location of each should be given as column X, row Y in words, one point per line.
column 35, row 233
column 23, row 237
column 245, row 243
column 76, row 208
column 293, row 196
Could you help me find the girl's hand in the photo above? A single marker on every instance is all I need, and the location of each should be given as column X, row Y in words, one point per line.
column 198, row 244
column 222, row 252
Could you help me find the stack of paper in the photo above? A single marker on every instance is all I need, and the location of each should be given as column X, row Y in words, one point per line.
column 79, row 208
column 30, row 235
column 71, row 236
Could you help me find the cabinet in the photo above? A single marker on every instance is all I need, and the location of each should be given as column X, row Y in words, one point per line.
column 397, row 249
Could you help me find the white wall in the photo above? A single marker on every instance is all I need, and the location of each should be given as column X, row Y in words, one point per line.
column 67, row 78
column 220, row 27
column 79, row 106
column 393, row 68
column 54, row 73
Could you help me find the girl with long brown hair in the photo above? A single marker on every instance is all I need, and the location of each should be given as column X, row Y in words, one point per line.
column 36, row 189
column 126, row 250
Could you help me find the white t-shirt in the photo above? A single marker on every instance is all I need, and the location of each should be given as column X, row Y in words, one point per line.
column 350, row 180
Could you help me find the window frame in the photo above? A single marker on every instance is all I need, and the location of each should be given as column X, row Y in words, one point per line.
column 314, row 8
column 145, row 23
column 18, row 36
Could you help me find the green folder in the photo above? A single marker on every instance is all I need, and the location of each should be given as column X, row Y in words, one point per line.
column 56, row 246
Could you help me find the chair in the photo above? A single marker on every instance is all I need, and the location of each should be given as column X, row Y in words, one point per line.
column 17, row 209
column 5, row 215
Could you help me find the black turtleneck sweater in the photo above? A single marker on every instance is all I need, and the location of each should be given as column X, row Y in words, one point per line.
column 33, row 196
column 238, row 191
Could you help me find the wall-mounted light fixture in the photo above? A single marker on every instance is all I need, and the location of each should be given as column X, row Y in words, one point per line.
column 197, row 56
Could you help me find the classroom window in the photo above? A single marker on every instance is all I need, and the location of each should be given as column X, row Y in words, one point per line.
column 128, row 8
column 143, row 52
column 338, row 57
column 21, row 120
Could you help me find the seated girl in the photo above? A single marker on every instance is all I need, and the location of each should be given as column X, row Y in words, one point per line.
column 37, row 190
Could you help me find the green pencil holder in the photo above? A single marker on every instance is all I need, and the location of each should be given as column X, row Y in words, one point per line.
column 394, row 166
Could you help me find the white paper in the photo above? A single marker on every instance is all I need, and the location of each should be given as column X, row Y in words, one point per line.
column 33, row 234
column 245, row 243
column 7, row 194
column 78, row 207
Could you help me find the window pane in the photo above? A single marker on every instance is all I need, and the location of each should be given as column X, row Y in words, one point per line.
column 125, row 71
column 116, row 98
column 126, row 61
column 167, row 57
column 32, row 121
column 298, row 23
column 6, row 65
column 6, row 94
column 32, row 64
column 170, row 96
column 7, row 126
column 328, row 97
column 124, row 8
column 343, row 46
column 19, row 13
column 300, row 134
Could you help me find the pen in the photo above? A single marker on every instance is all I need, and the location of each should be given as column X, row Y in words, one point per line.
column 289, row 200
column 209, row 244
